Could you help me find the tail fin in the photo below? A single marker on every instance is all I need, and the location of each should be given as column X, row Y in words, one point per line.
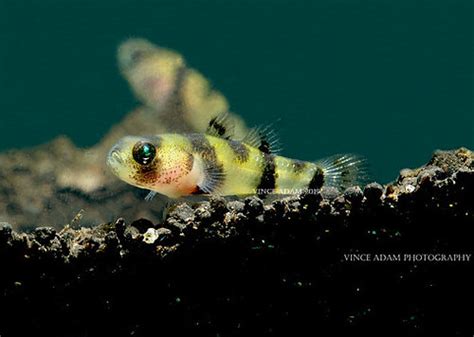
column 344, row 170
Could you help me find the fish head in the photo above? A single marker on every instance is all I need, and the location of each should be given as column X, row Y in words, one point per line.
column 154, row 163
column 152, row 71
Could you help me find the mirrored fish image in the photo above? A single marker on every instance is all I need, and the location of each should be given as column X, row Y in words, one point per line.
column 161, row 80
column 248, row 168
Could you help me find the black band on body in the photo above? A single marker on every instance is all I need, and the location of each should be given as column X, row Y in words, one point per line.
column 317, row 181
column 268, row 179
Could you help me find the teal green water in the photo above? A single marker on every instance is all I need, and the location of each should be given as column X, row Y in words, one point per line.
column 389, row 79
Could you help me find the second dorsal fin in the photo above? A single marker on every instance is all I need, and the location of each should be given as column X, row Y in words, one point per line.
column 263, row 138
column 220, row 126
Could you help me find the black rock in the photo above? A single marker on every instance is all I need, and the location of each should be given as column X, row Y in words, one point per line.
column 354, row 194
column 44, row 235
column 142, row 225
column 373, row 192
column 253, row 206
column 257, row 267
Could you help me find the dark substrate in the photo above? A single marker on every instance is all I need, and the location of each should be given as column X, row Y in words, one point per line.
column 245, row 268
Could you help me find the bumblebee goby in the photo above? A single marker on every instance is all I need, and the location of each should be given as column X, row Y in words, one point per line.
column 178, row 165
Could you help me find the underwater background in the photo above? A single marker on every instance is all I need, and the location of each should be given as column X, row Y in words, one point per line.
column 389, row 79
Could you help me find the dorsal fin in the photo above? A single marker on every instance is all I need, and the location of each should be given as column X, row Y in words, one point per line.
column 221, row 127
column 263, row 138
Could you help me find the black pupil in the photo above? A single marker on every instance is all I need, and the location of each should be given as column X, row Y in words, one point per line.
column 143, row 153
column 136, row 56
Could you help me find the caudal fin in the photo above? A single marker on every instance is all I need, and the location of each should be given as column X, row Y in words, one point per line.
column 344, row 170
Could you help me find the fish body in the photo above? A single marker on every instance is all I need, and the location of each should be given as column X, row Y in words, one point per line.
column 179, row 165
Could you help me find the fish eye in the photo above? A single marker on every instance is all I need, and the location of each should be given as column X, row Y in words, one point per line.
column 144, row 153
column 136, row 56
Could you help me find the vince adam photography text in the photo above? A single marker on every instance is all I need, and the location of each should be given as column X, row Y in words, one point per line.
column 407, row 257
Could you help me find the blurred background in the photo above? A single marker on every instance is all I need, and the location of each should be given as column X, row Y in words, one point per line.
column 389, row 79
